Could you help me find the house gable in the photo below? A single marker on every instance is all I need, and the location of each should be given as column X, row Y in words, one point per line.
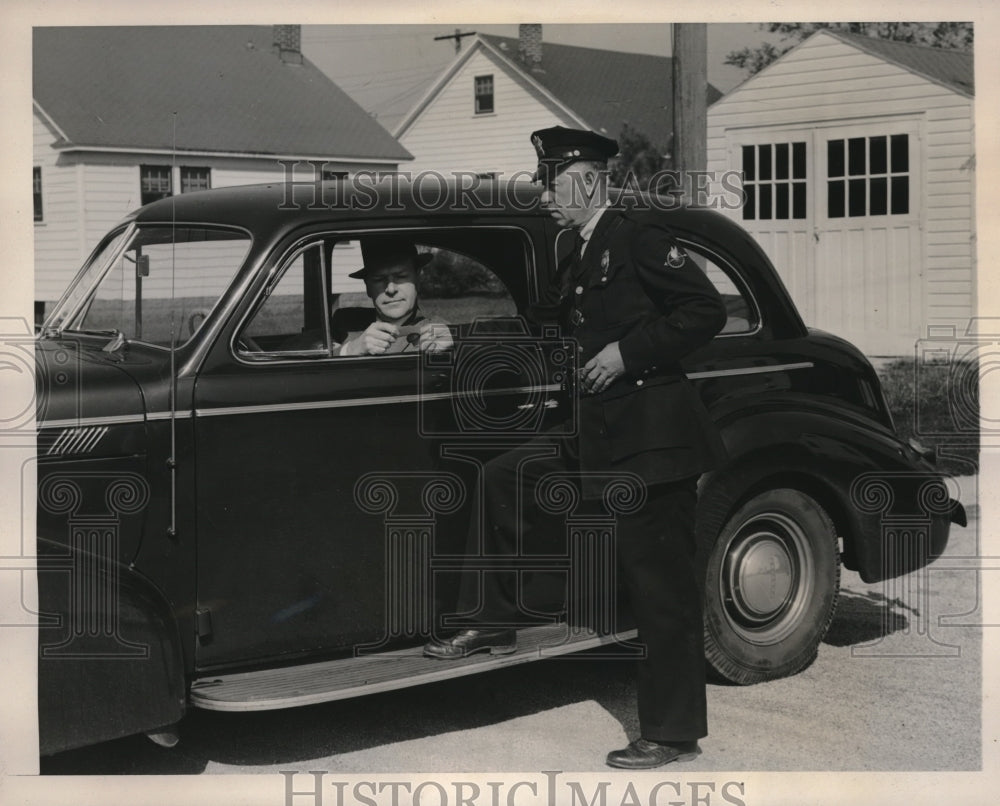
column 579, row 87
column 446, row 133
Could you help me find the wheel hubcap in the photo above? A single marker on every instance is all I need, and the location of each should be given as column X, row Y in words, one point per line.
column 767, row 578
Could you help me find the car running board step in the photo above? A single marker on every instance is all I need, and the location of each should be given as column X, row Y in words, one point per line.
column 313, row 683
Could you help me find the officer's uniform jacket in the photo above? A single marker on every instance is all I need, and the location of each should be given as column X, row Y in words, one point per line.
column 635, row 285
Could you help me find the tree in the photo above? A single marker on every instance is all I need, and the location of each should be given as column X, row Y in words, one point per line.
column 637, row 156
column 948, row 35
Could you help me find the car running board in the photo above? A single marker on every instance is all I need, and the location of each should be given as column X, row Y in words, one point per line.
column 313, row 683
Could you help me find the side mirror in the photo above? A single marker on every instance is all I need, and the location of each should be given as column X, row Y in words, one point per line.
column 142, row 266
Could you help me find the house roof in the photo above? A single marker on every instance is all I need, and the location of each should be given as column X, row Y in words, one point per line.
column 603, row 88
column 952, row 68
column 229, row 91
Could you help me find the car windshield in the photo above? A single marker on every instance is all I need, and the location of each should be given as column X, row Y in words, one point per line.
column 155, row 284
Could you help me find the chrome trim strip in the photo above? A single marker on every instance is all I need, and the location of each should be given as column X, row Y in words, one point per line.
column 723, row 373
column 83, row 422
column 367, row 401
column 166, row 415
column 223, row 411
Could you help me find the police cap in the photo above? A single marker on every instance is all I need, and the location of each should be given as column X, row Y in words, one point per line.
column 558, row 147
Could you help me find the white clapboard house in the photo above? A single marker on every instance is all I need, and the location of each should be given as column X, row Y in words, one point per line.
column 128, row 115
column 478, row 115
column 858, row 169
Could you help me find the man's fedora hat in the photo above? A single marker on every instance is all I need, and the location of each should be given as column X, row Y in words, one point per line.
column 388, row 251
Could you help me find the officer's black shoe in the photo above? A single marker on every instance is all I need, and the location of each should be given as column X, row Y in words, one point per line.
column 466, row 642
column 642, row 754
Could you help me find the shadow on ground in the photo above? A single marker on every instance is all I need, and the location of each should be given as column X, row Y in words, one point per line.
column 864, row 617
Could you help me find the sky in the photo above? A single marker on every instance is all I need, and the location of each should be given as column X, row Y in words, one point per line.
column 386, row 68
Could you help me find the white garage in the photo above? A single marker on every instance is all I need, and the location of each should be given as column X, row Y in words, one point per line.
column 858, row 174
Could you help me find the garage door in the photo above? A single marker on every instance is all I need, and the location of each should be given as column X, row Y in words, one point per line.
column 837, row 209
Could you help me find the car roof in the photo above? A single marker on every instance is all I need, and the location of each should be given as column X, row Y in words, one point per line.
column 278, row 205
column 352, row 198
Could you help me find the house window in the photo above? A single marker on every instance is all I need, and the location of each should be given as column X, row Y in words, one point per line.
column 484, row 94
column 774, row 181
column 193, row 179
column 868, row 176
column 36, row 180
column 154, row 183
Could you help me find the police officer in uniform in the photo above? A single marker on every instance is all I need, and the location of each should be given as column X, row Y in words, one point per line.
column 636, row 305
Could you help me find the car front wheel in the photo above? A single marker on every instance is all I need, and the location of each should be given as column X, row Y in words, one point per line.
column 771, row 587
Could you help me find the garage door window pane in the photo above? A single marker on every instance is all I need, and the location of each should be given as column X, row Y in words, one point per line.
column 856, row 156
column 764, row 153
column 767, row 173
column 750, row 202
column 835, row 158
column 749, row 164
column 870, row 191
column 781, row 201
column 798, row 160
column 798, row 200
column 765, row 202
column 835, row 199
column 900, row 153
column 879, row 196
column 781, row 161
column 856, row 198
column 877, row 155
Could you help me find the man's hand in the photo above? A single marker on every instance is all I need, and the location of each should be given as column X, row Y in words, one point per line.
column 374, row 341
column 435, row 338
column 602, row 370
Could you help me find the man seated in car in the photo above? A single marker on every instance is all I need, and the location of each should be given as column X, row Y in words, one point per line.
column 391, row 266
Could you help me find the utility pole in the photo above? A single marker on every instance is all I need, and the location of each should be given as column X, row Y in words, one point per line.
column 457, row 36
column 690, row 85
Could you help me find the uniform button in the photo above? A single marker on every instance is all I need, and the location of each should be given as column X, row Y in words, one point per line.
column 639, row 382
column 579, row 289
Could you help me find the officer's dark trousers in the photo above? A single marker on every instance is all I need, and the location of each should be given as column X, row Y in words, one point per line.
column 655, row 548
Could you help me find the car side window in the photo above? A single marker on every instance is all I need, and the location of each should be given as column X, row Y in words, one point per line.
column 741, row 316
column 290, row 320
column 454, row 289
column 314, row 305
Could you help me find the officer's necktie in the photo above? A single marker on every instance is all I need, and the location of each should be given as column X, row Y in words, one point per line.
column 576, row 256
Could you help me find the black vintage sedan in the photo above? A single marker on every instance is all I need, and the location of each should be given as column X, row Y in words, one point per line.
column 234, row 516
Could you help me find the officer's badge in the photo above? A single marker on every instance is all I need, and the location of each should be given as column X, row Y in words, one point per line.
column 537, row 143
column 605, row 261
column 676, row 257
